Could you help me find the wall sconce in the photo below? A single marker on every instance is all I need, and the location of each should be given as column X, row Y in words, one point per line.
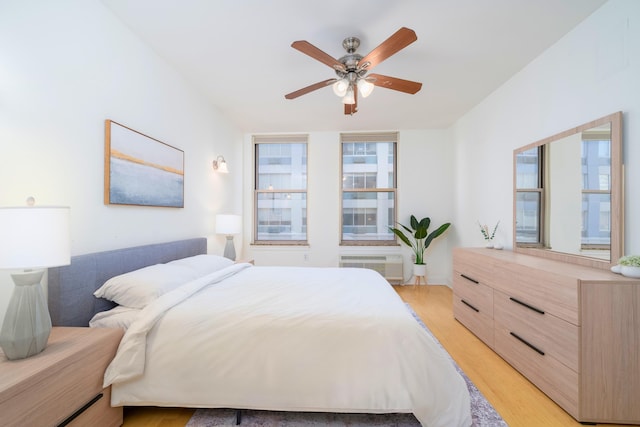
column 220, row 165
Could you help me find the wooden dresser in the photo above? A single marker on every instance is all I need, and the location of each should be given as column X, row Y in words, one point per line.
column 573, row 331
column 63, row 384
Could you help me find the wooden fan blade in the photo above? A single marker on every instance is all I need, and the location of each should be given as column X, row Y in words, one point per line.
column 309, row 49
column 351, row 109
column 406, row 86
column 398, row 41
column 309, row 88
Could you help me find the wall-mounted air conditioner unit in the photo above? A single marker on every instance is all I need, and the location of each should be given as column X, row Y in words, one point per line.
column 389, row 266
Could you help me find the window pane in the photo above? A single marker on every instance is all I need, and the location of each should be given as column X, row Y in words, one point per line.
column 367, row 165
column 281, row 166
column 527, row 217
column 367, row 215
column 596, row 219
column 596, row 165
column 282, row 216
column 528, row 169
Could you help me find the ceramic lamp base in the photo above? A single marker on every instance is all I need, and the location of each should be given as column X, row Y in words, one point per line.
column 229, row 249
column 27, row 324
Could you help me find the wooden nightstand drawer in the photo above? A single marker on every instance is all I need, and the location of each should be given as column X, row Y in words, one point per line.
column 100, row 413
column 48, row 388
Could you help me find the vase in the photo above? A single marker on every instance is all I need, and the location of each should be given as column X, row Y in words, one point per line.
column 420, row 270
column 630, row 271
column 489, row 244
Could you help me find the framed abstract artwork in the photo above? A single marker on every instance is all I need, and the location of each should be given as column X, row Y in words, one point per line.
column 140, row 170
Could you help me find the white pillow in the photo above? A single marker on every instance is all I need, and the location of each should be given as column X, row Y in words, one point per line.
column 204, row 264
column 117, row 317
column 138, row 288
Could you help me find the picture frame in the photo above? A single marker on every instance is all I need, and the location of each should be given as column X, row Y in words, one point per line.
column 140, row 170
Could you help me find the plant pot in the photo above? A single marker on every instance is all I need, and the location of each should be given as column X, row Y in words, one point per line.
column 630, row 271
column 420, row 270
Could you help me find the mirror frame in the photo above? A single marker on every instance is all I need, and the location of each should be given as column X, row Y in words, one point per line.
column 617, row 197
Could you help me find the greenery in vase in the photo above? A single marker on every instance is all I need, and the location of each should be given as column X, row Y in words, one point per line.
column 485, row 231
column 630, row 261
column 418, row 237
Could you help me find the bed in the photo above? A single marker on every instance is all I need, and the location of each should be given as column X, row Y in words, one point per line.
column 234, row 335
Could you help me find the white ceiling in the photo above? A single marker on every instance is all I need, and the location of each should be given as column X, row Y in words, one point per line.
column 238, row 53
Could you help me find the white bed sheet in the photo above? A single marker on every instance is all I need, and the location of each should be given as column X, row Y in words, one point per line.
column 287, row 338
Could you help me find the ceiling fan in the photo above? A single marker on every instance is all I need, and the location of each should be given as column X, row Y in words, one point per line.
column 352, row 69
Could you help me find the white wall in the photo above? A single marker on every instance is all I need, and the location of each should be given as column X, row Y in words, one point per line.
column 591, row 72
column 65, row 67
column 425, row 176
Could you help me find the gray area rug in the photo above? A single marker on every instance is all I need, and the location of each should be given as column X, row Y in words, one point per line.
column 483, row 414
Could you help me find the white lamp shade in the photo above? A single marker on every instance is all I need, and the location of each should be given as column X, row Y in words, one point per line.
column 34, row 237
column 349, row 98
column 340, row 87
column 222, row 166
column 228, row 224
column 365, row 88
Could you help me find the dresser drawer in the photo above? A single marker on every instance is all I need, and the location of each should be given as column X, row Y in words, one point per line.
column 550, row 292
column 474, row 292
column 476, row 266
column 556, row 380
column 477, row 321
column 554, row 336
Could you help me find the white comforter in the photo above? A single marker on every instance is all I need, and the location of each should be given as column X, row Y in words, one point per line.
column 287, row 338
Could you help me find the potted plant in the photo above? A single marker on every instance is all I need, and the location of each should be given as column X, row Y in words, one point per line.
column 630, row 266
column 418, row 238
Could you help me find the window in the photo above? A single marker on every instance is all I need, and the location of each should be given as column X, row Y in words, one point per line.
column 529, row 196
column 280, row 189
column 368, row 191
column 596, row 191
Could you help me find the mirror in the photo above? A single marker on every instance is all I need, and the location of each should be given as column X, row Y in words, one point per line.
column 568, row 195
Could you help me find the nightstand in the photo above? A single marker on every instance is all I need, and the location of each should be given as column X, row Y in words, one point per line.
column 250, row 261
column 63, row 384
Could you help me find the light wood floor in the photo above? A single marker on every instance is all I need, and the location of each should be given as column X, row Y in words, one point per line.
column 519, row 402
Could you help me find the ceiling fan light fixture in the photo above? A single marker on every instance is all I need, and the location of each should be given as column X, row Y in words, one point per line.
column 340, row 87
column 349, row 97
column 365, row 87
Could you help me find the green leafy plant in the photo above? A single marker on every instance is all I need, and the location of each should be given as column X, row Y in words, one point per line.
column 630, row 261
column 417, row 235
column 485, row 231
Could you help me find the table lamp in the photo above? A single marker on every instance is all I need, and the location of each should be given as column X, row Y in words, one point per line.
column 31, row 238
column 229, row 225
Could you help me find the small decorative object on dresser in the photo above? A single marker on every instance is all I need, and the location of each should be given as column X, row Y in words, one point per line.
column 63, row 384
column 630, row 266
column 419, row 239
column 571, row 330
column 489, row 236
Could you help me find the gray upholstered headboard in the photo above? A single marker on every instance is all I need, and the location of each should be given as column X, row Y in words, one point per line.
column 71, row 299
